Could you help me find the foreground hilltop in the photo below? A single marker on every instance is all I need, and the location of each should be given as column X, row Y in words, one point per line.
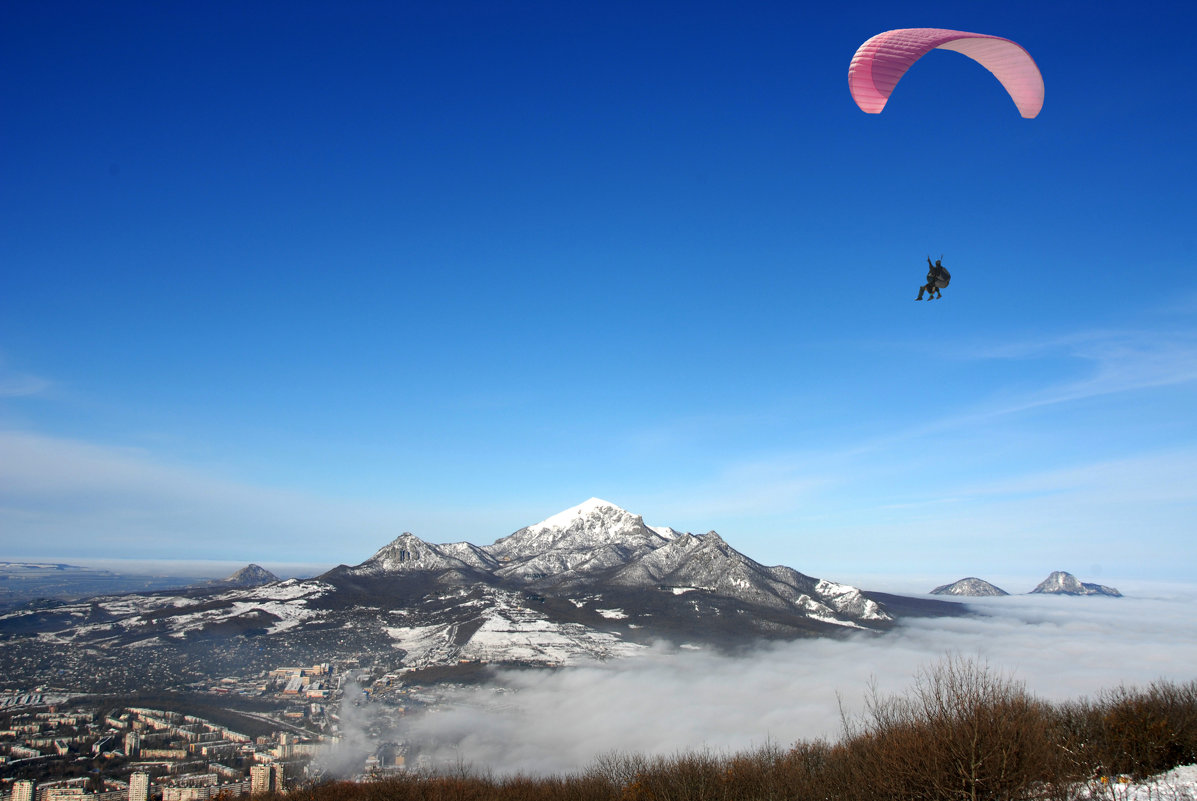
column 591, row 582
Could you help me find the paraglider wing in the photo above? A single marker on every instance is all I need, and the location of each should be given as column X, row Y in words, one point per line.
column 881, row 62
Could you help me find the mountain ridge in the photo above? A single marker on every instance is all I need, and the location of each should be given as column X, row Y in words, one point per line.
column 593, row 582
column 599, row 542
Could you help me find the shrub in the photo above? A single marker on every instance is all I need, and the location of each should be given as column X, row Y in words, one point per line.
column 1133, row 732
column 963, row 733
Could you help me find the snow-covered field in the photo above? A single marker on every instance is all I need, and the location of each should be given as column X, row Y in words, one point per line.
column 1178, row 784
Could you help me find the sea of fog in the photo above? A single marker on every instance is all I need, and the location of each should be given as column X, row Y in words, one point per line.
column 671, row 700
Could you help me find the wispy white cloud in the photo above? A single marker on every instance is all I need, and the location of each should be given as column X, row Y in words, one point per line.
column 65, row 490
column 1181, row 304
column 88, row 499
column 1111, row 361
column 989, row 470
column 743, row 488
column 17, row 385
column 1158, row 477
column 67, row 496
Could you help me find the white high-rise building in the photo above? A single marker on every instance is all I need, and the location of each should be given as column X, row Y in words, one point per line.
column 132, row 744
column 260, row 779
column 23, row 791
column 139, row 787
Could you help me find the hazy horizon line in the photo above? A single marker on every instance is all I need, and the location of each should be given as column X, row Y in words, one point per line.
column 919, row 582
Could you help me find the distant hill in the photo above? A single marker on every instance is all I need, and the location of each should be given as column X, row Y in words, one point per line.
column 1061, row 583
column 971, row 586
column 249, row 576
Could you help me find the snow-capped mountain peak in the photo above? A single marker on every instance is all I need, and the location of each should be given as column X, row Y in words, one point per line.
column 590, row 525
column 587, row 508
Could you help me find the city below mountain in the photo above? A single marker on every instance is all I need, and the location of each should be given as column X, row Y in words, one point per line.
column 593, row 582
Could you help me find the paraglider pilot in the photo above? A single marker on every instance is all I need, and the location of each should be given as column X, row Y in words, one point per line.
column 937, row 278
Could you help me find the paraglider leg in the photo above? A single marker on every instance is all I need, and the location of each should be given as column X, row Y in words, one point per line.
column 922, row 289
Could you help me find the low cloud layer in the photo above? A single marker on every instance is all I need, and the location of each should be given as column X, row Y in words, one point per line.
column 669, row 701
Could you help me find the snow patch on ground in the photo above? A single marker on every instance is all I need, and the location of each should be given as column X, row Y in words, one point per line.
column 289, row 615
column 424, row 645
column 513, row 635
column 665, row 532
column 1178, row 784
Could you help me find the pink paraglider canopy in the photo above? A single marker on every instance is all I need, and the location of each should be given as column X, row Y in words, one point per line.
column 882, row 61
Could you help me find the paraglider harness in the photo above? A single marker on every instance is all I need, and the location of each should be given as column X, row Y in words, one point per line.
column 938, row 276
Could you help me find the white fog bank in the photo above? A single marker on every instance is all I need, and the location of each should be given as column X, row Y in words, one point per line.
column 672, row 700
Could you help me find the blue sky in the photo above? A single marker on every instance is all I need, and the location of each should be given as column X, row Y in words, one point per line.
column 281, row 281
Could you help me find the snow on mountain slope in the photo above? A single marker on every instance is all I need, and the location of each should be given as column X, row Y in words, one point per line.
column 424, row 645
column 709, row 563
column 589, row 524
column 591, row 537
column 471, row 555
column 130, row 619
column 970, row 586
column 658, row 567
column 597, row 543
column 407, row 553
column 706, row 562
column 505, row 629
column 515, row 634
column 849, row 601
column 1061, row 583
